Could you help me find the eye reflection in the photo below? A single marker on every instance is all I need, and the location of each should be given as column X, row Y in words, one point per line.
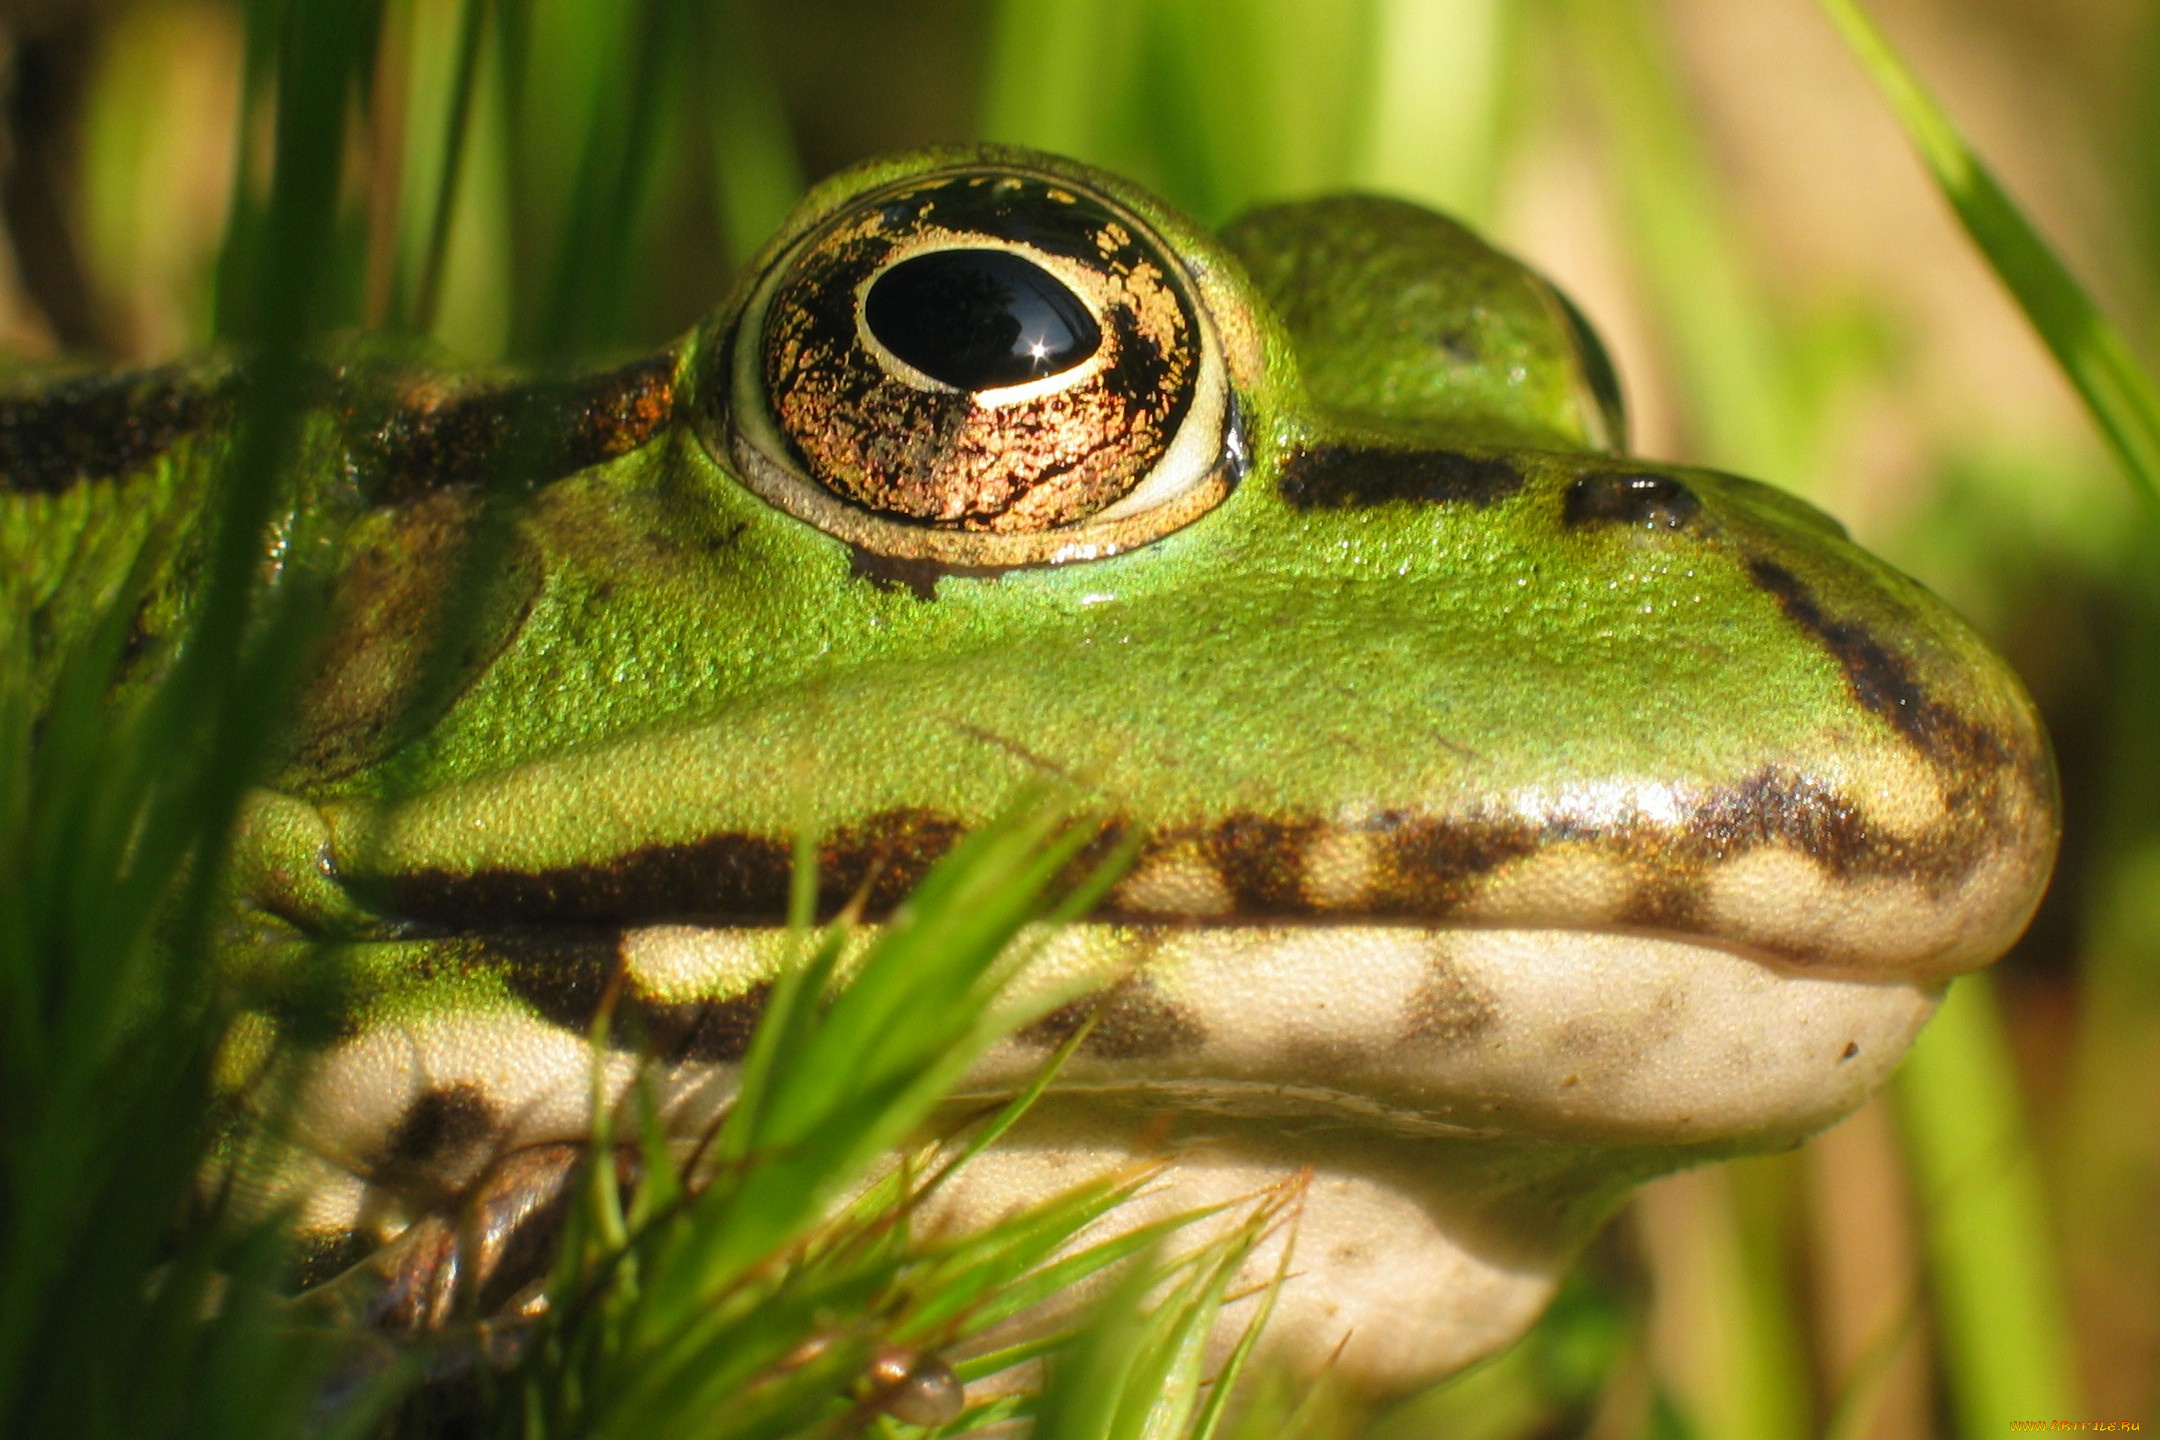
column 978, row 319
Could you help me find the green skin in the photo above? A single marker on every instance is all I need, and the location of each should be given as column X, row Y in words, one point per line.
column 1661, row 673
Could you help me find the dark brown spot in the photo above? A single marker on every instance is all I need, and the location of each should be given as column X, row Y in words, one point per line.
column 1641, row 501
column 1136, row 1023
column 1881, row 679
column 1670, row 899
column 1852, row 1048
column 1262, row 862
column 1337, row 477
column 1434, row 863
column 565, row 975
column 1449, row 1008
column 60, row 433
column 562, row 974
column 441, row 1125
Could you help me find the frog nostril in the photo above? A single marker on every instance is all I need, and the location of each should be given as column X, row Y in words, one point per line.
column 979, row 319
column 1648, row 502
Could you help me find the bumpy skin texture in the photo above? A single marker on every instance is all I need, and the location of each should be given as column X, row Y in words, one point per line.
column 1520, row 820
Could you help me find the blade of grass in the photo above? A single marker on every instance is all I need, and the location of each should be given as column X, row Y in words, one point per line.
column 426, row 295
column 1998, row 1298
column 101, row 1148
column 2121, row 395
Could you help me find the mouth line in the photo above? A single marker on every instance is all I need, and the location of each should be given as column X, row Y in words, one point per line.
column 1147, row 930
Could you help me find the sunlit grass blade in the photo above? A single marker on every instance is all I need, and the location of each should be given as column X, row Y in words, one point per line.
column 1136, row 1371
column 424, row 297
column 2121, row 395
column 1992, row 1273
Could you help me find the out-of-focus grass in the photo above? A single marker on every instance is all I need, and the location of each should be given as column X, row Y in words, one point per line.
column 113, row 822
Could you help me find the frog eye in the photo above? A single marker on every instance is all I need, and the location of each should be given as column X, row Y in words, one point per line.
column 982, row 367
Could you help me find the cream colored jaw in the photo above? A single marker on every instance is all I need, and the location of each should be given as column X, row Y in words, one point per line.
column 1567, row 1034
column 1570, row 1037
column 1462, row 1107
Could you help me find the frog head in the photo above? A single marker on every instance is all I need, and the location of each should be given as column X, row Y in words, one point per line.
column 1516, row 819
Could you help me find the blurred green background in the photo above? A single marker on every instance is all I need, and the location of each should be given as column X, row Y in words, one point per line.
column 1718, row 186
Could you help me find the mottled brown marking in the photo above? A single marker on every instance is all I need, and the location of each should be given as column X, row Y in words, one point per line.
column 1262, row 862
column 376, row 675
column 935, row 457
column 889, row 853
column 432, row 436
column 55, row 434
column 1449, row 1008
column 1137, row 1022
column 562, row 974
column 1339, row 477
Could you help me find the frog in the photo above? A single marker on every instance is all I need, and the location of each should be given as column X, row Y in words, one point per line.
column 1513, row 819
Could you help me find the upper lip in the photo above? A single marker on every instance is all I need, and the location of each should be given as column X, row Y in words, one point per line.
column 1657, row 856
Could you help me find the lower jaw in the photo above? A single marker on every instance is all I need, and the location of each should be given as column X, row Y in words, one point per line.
column 1469, row 1103
column 1410, row 1259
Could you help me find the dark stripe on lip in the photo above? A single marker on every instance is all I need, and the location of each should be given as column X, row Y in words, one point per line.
column 731, row 876
column 63, row 433
column 1338, row 477
column 1881, row 679
column 1426, row 866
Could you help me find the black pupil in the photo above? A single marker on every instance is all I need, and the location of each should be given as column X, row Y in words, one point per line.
column 979, row 319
